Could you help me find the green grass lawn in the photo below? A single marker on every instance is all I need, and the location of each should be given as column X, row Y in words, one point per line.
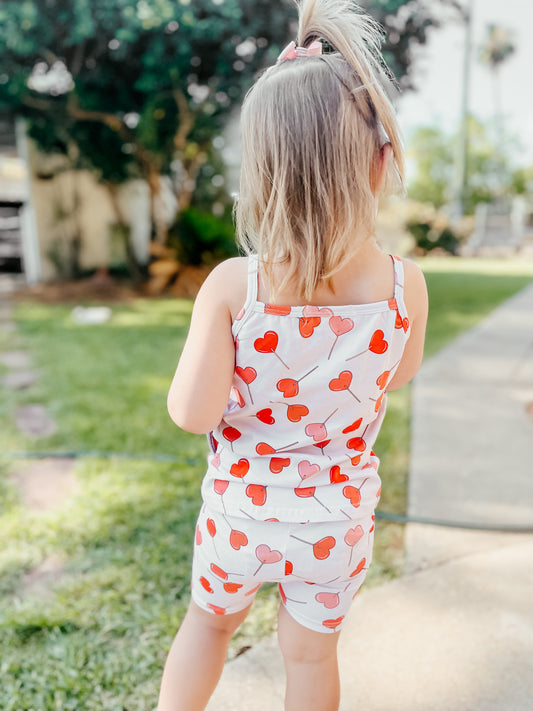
column 97, row 637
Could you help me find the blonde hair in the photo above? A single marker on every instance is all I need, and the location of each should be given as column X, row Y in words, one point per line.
column 312, row 130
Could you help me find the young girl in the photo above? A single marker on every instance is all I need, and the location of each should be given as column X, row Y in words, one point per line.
column 290, row 354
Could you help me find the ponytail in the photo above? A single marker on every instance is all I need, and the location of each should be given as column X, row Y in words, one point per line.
column 312, row 129
column 358, row 38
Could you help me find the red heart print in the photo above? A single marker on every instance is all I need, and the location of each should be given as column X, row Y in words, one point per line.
column 248, row 374
column 335, row 475
column 401, row 322
column 343, row 382
column 204, row 582
column 316, row 430
column 198, row 536
column 355, row 460
column 305, row 492
column 307, row 326
column 353, row 535
column 353, row 494
column 322, row 548
column 218, row 571
column 265, row 416
column 357, row 443
column 265, row 554
column 232, row 587
column 240, row 468
column 381, row 380
column 268, row 343
column 238, row 397
column 277, row 310
column 296, row 412
column 216, row 609
column 220, row 485
column 288, row 567
column 231, row 433
column 277, row 464
column 378, row 344
column 288, row 387
column 340, row 325
column 354, row 426
column 333, row 624
column 360, row 567
column 238, row 539
column 378, row 402
column 212, row 529
column 328, row 599
column 322, row 444
column 264, row 448
column 306, row 469
column 257, row 493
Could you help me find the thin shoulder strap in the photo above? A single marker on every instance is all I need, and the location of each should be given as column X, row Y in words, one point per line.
column 251, row 294
column 399, row 284
column 253, row 276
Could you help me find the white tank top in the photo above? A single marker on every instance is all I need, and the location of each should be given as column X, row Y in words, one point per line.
column 306, row 405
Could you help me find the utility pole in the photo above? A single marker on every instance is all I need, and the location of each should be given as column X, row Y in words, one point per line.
column 462, row 150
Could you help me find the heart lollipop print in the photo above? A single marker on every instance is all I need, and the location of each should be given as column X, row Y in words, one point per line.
column 352, row 538
column 277, row 310
column 263, row 448
column 317, row 430
column 306, row 469
column 278, row 463
column 257, row 493
column 377, row 345
column 333, row 624
column 354, row 426
column 343, row 382
column 289, row 386
column 328, row 599
column 231, row 434
column 268, row 344
column 335, row 475
column 307, row 325
column 308, row 492
column 265, row 416
column 266, row 556
column 232, row 587
column 322, row 548
column 237, row 539
column 240, row 469
column 296, row 412
column 360, row 567
column 204, row 582
column 248, row 375
column 216, row 609
column 339, row 326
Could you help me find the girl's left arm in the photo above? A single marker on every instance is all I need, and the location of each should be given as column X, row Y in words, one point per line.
column 201, row 385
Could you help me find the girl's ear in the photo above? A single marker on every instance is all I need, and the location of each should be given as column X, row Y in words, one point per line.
column 379, row 169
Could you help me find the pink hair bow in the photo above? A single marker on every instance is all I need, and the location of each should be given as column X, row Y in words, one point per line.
column 291, row 51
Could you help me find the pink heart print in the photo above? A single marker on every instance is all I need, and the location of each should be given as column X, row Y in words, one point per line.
column 340, row 325
column 316, row 430
column 328, row 599
column 306, row 469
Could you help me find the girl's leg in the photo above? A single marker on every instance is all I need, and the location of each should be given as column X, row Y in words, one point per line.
column 196, row 659
column 311, row 665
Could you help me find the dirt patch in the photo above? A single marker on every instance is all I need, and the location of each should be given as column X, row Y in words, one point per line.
column 40, row 579
column 45, row 484
column 93, row 290
column 34, row 421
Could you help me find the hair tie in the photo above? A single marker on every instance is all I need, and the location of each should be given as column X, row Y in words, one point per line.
column 291, row 51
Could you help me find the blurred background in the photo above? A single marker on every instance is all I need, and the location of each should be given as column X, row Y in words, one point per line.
column 119, row 145
column 119, row 161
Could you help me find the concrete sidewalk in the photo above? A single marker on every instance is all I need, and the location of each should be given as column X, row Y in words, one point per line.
column 456, row 632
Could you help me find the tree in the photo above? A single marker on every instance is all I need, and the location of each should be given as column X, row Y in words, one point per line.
column 489, row 172
column 142, row 88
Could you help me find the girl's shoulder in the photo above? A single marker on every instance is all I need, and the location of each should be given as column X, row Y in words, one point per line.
column 228, row 283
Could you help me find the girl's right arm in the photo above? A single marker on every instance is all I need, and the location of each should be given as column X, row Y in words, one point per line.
column 416, row 302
